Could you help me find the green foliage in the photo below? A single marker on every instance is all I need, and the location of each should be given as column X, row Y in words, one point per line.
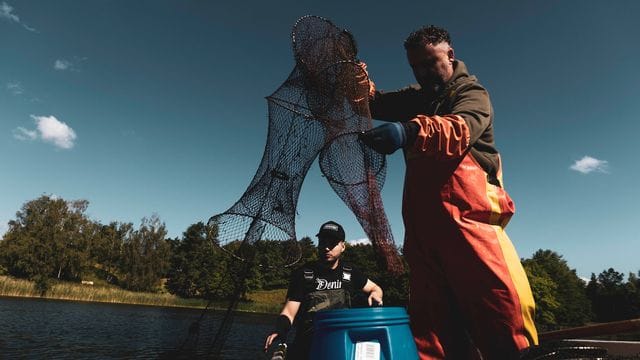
column 632, row 289
column 108, row 247
column 41, row 284
column 145, row 256
column 273, row 255
column 49, row 238
column 53, row 238
column 544, row 292
column 613, row 299
column 573, row 308
column 268, row 271
column 196, row 268
column 395, row 288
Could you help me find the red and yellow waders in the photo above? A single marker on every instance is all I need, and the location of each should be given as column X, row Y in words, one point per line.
column 468, row 288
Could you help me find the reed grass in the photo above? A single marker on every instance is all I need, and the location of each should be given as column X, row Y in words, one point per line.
column 269, row 301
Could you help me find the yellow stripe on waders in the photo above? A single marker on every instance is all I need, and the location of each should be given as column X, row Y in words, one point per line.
column 516, row 271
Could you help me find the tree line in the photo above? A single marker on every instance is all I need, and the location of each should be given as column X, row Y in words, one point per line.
column 52, row 238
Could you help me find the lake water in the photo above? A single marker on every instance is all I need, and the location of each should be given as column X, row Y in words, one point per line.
column 51, row 329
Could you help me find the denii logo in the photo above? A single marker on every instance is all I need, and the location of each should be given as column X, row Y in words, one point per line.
column 323, row 284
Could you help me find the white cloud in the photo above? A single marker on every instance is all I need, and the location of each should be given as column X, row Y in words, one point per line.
column 6, row 12
column 15, row 88
column 29, row 28
column 588, row 164
column 55, row 131
column 363, row 241
column 50, row 130
column 62, row 64
column 21, row 133
column 69, row 65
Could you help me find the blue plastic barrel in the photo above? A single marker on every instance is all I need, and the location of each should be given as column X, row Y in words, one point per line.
column 363, row 334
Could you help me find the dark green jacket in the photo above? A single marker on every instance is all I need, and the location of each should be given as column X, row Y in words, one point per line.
column 462, row 95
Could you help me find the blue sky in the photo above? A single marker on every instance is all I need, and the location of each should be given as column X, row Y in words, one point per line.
column 158, row 107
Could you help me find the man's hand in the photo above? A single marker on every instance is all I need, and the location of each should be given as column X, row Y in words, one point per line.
column 385, row 139
column 283, row 324
column 374, row 291
column 375, row 296
column 363, row 78
column 269, row 341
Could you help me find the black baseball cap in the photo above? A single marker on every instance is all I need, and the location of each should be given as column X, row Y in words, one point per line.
column 331, row 230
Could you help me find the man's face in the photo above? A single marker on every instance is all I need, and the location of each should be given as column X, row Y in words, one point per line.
column 432, row 65
column 330, row 249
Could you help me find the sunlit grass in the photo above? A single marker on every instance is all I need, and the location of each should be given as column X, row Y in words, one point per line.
column 261, row 301
column 100, row 293
column 268, row 301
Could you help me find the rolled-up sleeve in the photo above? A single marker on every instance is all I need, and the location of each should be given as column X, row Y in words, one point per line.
column 449, row 136
column 443, row 137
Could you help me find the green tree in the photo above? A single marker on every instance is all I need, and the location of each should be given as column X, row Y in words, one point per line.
column 50, row 237
column 275, row 256
column 632, row 289
column 574, row 307
column 544, row 292
column 196, row 267
column 108, row 248
column 146, row 256
column 612, row 299
column 396, row 288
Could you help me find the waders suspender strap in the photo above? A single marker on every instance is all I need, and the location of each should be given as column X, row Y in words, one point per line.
column 309, row 280
column 347, row 285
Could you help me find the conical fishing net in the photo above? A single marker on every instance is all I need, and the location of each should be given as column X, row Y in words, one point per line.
column 317, row 112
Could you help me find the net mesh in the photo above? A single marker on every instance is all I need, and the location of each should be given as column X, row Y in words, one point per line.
column 317, row 111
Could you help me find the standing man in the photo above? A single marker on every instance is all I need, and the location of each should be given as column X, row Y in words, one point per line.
column 469, row 292
column 321, row 285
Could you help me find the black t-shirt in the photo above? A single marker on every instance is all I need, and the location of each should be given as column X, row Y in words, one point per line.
column 325, row 279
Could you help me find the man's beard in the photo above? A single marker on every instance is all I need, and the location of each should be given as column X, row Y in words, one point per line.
column 431, row 85
column 329, row 263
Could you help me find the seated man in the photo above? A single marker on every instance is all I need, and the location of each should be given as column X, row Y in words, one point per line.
column 320, row 285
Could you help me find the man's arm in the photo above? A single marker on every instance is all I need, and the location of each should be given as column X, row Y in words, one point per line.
column 442, row 136
column 392, row 106
column 397, row 106
column 290, row 309
column 288, row 313
column 374, row 291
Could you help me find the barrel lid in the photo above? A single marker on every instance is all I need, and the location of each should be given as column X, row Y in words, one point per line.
column 361, row 315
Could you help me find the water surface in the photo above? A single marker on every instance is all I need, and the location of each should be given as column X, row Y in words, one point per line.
column 53, row 329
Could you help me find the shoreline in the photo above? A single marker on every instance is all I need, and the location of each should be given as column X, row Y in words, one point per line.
column 133, row 304
column 11, row 287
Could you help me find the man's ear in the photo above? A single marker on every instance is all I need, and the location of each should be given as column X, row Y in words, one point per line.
column 451, row 54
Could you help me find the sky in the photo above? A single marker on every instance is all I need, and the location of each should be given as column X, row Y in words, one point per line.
column 158, row 107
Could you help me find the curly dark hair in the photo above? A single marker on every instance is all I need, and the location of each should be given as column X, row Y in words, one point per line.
column 427, row 35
